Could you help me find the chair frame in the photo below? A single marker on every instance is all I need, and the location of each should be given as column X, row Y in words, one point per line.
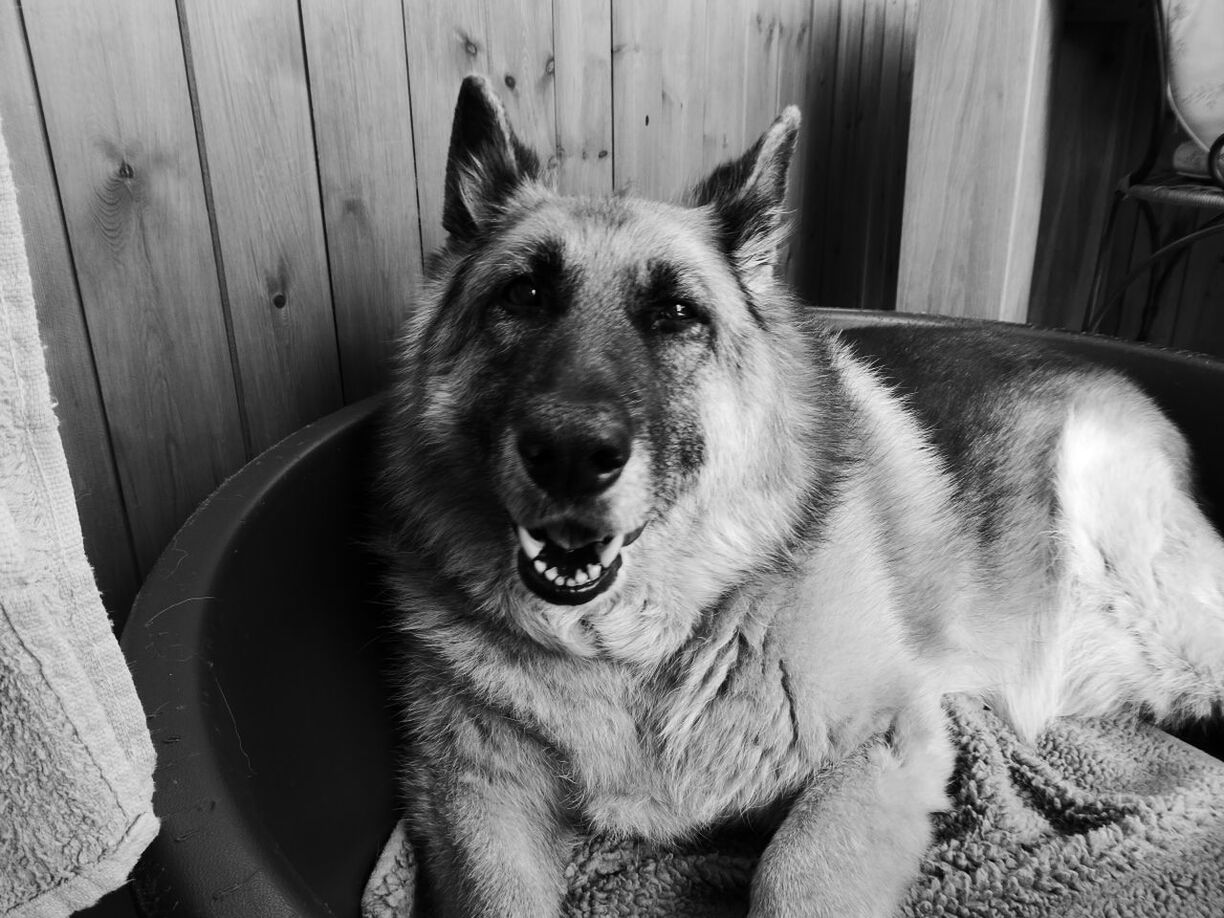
column 1148, row 185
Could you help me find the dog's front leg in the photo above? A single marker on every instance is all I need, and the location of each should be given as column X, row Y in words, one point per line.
column 492, row 832
column 853, row 840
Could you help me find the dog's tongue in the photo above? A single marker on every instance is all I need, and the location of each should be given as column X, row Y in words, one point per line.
column 571, row 536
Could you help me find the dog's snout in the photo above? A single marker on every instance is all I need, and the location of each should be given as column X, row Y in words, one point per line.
column 577, row 454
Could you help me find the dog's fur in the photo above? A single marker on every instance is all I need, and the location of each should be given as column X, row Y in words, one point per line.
column 821, row 555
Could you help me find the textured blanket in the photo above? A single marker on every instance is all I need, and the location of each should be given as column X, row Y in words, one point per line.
column 1108, row 818
column 76, row 762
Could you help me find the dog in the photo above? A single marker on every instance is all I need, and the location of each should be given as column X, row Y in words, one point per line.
column 666, row 554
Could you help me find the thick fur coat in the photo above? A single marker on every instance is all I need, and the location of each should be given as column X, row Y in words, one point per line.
column 665, row 553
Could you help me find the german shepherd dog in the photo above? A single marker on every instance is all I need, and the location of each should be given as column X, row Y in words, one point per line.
column 666, row 553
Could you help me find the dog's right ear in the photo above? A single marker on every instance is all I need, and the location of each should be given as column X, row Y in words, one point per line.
column 486, row 162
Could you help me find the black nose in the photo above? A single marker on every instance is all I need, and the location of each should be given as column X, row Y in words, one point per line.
column 575, row 454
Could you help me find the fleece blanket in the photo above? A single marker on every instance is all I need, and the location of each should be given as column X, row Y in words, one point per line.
column 1099, row 818
column 76, row 762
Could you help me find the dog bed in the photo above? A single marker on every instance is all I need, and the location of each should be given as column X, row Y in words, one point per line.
column 1100, row 817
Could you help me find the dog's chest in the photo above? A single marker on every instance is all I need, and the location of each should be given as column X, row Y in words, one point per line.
column 686, row 751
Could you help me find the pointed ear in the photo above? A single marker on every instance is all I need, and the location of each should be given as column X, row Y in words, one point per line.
column 747, row 195
column 486, row 162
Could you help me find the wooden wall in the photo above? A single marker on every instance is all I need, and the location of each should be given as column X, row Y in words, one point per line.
column 227, row 204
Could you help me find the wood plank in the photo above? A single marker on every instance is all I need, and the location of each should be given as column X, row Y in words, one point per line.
column 837, row 247
column 720, row 89
column 363, row 118
column 698, row 88
column 659, row 68
column 1098, row 132
column 254, row 111
column 511, row 43
column 757, row 59
column 112, row 81
column 893, row 152
column 884, row 170
column 976, row 157
column 70, row 363
column 814, row 230
column 793, row 62
column 582, row 31
column 863, row 186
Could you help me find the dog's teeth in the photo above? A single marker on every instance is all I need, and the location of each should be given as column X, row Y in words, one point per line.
column 551, row 574
column 539, row 565
column 593, row 571
column 531, row 545
column 581, row 577
column 608, row 553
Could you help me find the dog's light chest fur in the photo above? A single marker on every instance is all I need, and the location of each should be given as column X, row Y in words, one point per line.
column 830, row 536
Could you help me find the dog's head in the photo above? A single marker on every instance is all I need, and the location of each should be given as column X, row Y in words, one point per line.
column 591, row 390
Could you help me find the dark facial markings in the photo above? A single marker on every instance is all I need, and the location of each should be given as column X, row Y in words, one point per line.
column 668, row 306
column 540, row 285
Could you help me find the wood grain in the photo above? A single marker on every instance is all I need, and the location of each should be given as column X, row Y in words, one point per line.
column 70, row 364
column 815, row 189
column 112, row 81
column 582, row 31
column 857, row 123
column 363, row 129
column 509, row 42
column 254, row 110
column 884, row 137
column 659, row 91
column 976, row 157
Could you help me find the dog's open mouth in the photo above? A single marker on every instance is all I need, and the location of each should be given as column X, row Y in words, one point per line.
column 562, row 571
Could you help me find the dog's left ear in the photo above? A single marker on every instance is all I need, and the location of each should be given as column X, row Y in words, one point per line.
column 486, row 162
column 747, row 195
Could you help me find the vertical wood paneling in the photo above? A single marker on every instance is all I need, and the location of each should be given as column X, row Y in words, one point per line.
column 694, row 84
column 839, row 267
column 858, row 108
column 254, row 109
column 976, row 157
column 815, row 230
column 512, row 44
column 729, row 34
column 70, row 364
column 857, row 167
column 1098, row 131
column 894, row 148
column 363, row 118
column 582, row 38
column 884, row 136
column 325, row 140
column 792, row 60
column 658, row 72
column 112, row 81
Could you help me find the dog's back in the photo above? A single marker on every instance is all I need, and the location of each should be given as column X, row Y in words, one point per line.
column 1107, row 579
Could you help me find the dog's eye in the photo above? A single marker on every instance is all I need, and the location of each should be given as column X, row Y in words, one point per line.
column 675, row 316
column 521, row 296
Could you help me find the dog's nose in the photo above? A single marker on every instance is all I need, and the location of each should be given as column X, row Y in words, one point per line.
column 575, row 459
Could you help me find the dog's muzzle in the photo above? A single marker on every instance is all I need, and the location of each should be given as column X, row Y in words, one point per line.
column 568, row 574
